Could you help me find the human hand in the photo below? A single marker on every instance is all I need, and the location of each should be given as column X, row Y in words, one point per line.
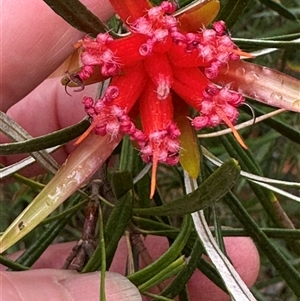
column 35, row 41
column 46, row 281
column 55, row 284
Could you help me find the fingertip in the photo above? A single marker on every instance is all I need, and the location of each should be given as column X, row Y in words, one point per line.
column 49, row 108
column 54, row 256
column 60, row 285
column 245, row 259
column 155, row 245
column 35, row 42
column 86, row 287
column 45, row 110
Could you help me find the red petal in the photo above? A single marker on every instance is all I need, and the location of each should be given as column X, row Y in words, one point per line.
column 131, row 84
column 189, row 84
column 130, row 10
column 163, row 46
column 156, row 114
column 192, row 77
column 181, row 58
column 159, row 70
column 127, row 49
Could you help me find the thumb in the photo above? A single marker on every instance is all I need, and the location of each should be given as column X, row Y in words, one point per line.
column 61, row 285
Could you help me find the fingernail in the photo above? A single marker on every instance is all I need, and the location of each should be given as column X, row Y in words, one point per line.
column 87, row 287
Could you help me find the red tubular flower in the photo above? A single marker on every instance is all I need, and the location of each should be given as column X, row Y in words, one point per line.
column 162, row 144
column 157, row 61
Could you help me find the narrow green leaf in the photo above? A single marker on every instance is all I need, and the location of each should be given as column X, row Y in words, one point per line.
column 260, row 43
column 12, row 265
column 83, row 162
column 39, row 143
column 234, row 284
column 77, row 15
column 184, row 275
column 269, row 232
column 211, row 190
column 114, row 229
column 286, row 270
column 103, row 255
column 280, row 9
column 30, row 256
column 158, row 297
column 218, row 233
column 211, row 273
column 126, row 157
column 163, row 229
column 275, row 123
column 285, row 37
column 232, row 11
column 266, row 197
column 119, row 228
column 167, row 258
column 121, row 183
column 164, row 274
column 13, row 130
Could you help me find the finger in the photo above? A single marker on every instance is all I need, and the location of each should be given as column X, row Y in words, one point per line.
column 35, row 41
column 155, row 245
column 53, row 258
column 47, row 109
column 241, row 251
column 56, row 254
column 60, row 285
column 245, row 259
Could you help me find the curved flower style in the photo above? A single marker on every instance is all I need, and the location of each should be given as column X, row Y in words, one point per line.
column 157, row 62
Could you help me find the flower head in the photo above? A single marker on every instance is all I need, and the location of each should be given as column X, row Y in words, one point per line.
column 156, row 62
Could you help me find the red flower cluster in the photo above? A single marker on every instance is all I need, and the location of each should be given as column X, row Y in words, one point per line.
column 149, row 68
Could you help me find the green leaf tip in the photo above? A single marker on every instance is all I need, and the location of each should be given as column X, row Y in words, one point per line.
column 211, row 190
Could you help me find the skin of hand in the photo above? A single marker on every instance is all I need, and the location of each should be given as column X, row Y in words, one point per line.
column 35, row 41
column 56, row 284
column 32, row 50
